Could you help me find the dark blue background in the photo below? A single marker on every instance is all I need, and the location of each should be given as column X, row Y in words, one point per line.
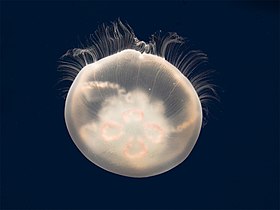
column 235, row 163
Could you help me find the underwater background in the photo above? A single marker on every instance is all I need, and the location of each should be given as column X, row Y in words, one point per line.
column 235, row 163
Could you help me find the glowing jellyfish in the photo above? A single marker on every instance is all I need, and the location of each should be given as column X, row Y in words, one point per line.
column 134, row 108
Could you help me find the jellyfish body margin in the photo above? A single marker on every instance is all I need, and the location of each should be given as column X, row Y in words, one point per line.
column 134, row 108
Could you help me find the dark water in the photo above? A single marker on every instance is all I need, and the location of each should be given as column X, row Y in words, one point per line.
column 235, row 163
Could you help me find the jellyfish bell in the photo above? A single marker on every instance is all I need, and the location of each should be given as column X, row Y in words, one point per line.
column 149, row 115
column 130, row 109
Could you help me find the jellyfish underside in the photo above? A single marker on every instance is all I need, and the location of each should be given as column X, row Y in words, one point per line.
column 133, row 113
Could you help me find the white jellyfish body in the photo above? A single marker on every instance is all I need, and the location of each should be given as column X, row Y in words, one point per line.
column 132, row 112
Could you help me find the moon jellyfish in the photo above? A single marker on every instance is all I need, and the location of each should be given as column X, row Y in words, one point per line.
column 135, row 108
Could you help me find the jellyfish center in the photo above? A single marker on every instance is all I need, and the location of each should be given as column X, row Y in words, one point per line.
column 132, row 124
